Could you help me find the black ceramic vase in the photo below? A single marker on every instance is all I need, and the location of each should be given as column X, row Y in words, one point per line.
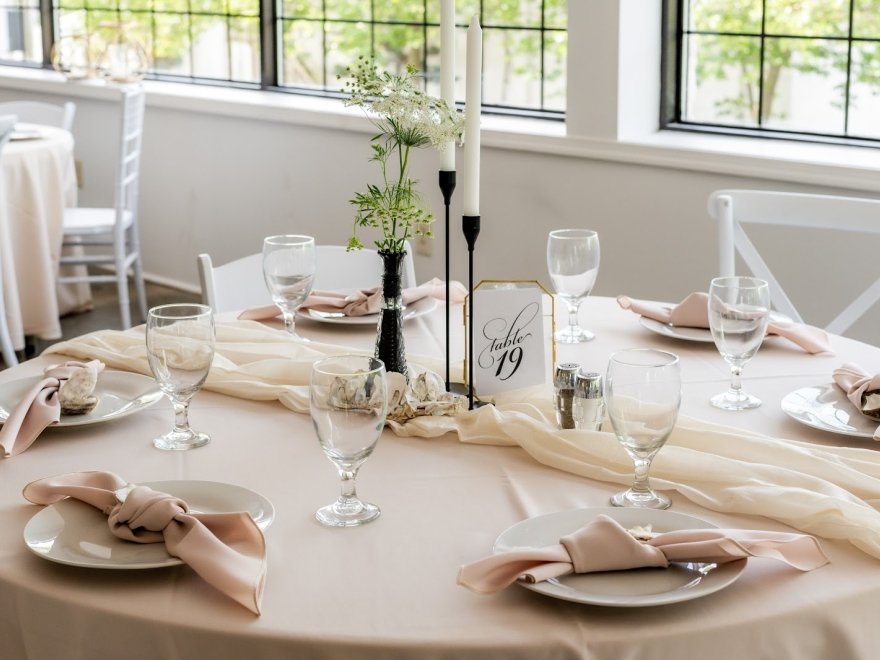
column 389, row 337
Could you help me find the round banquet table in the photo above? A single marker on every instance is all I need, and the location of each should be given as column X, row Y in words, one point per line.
column 388, row 589
column 38, row 182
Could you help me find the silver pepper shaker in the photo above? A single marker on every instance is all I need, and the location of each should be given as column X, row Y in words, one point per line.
column 588, row 407
column 563, row 384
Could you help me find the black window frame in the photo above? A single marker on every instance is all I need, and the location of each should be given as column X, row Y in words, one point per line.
column 672, row 86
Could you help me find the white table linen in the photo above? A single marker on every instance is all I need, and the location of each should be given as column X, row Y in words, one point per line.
column 388, row 590
column 39, row 181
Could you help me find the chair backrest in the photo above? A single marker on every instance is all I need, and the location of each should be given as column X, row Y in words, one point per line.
column 37, row 112
column 731, row 209
column 7, row 123
column 130, row 140
column 239, row 284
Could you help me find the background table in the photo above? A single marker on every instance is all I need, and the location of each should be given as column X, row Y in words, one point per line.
column 387, row 590
column 39, row 181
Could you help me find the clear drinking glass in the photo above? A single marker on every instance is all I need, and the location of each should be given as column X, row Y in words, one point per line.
column 289, row 270
column 348, row 399
column 643, row 394
column 180, row 349
column 739, row 308
column 573, row 263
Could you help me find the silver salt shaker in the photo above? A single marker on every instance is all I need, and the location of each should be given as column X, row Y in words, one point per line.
column 563, row 385
column 588, row 407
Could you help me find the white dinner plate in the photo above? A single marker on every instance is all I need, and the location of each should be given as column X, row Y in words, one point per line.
column 75, row 533
column 119, row 393
column 695, row 334
column 677, row 332
column 22, row 131
column 642, row 587
column 416, row 309
column 826, row 407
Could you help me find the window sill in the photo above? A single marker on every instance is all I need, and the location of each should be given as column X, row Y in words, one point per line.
column 847, row 167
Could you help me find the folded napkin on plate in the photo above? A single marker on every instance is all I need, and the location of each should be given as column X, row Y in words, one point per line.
column 693, row 312
column 226, row 549
column 363, row 302
column 862, row 389
column 42, row 404
column 604, row 545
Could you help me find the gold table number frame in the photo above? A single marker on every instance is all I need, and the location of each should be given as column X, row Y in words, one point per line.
column 548, row 314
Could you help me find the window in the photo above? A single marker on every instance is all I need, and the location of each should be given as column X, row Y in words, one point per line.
column 310, row 42
column 809, row 67
column 20, row 32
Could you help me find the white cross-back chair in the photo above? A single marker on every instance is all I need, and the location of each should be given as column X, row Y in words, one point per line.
column 239, row 284
column 7, row 123
column 732, row 209
column 112, row 233
column 37, row 112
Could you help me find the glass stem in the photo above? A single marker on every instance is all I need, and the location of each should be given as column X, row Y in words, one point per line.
column 735, row 378
column 573, row 315
column 181, row 416
column 640, row 483
column 288, row 321
column 347, row 489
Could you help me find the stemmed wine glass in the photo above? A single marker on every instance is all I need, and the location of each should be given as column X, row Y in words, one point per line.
column 643, row 390
column 180, row 349
column 289, row 270
column 739, row 309
column 348, row 399
column 573, row 263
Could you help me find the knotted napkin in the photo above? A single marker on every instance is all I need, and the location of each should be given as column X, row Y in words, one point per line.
column 604, row 545
column 226, row 549
column 40, row 407
column 693, row 312
column 858, row 385
column 363, row 302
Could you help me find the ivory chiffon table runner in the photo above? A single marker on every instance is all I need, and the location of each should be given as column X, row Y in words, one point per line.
column 443, row 503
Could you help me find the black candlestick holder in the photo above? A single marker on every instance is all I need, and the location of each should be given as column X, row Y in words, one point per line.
column 447, row 185
column 470, row 226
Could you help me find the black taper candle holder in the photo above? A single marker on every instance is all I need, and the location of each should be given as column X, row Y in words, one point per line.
column 470, row 225
column 447, row 185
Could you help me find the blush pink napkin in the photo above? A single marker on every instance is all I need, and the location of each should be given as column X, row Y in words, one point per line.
column 227, row 550
column 856, row 382
column 693, row 312
column 604, row 545
column 360, row 303
column 39, row 408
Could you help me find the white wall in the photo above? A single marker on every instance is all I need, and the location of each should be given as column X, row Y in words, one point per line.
column 218, row 184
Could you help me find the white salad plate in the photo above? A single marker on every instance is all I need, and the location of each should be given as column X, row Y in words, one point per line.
column 414, row 310
column 826, row 407
column 77, row 534
column 642, row 587
column 119, row 393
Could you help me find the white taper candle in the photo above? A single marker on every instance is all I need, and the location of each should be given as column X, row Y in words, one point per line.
column 473, row 104
column 447, row 72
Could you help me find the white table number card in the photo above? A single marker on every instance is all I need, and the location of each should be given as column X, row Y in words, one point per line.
column 513, row 336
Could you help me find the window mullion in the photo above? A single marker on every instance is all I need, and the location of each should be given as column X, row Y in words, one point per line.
column 47, row 28
column 270, row 46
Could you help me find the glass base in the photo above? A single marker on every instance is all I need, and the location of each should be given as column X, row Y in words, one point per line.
column 181, row 440
column 735, row 400
column 641, row 499
column 574, row 335
column 347, row 513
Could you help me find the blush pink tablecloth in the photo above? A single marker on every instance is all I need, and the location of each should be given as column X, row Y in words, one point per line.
column 387, row 590
column 38, row 182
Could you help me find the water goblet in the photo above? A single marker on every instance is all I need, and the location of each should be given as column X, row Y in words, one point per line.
column 289, row 270
column 573, row 264
column 180, row 349
column 739, row 309
column 348, row 401
column 643, row 394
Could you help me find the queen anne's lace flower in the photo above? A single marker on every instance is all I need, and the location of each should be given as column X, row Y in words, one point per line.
column 406, row 118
